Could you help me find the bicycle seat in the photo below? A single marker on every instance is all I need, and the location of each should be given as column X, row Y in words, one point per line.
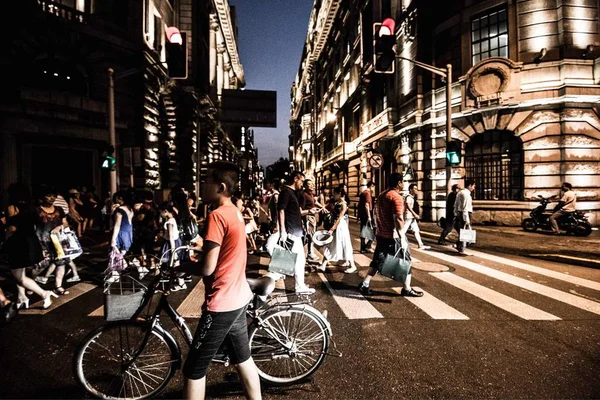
column 261, row 286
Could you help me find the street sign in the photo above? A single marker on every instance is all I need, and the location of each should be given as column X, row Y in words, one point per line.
column 376, row 161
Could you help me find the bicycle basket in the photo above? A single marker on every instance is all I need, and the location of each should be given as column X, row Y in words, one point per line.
column 122, row 298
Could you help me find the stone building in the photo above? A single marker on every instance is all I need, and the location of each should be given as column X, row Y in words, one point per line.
column 525, row 98
column 54, row 103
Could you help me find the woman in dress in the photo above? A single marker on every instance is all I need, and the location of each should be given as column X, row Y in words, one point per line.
column 22, row 244
column 340, row 248
column 122, row 234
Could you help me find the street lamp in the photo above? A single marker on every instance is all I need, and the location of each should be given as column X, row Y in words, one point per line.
column 446, row 74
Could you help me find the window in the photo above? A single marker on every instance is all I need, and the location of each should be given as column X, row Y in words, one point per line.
column 494, row 160
column 489, row 35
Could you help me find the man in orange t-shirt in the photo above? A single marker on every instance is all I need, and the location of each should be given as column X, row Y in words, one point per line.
column 227, row 292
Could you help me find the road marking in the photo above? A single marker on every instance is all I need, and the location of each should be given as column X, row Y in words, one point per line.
column 98, row 312
column 575, row 301
column 433, row 307
column 191, row 306
column 567, row 257
column 74, row 292
column 497, row 299
column 362, row 260
column 352, row 303
column 538, row 270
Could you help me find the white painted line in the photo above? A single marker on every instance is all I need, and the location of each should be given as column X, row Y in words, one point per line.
column 352, row 303
column 362, row 260
column 98, row 312
column 567, row 257
column 433, row 307
column 575, row 301
column 191, row 306
column 538, row 270
column 497, row 299
column 74, row 292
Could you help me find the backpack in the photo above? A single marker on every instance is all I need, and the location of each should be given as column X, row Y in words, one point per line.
column 415, row 206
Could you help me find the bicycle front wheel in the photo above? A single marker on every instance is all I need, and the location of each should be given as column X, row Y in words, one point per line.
column 106, row 368
column 288, row 345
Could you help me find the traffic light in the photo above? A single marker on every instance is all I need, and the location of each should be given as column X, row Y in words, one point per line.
column 176, row 49
column 107, row 160
column 453, row 152
column 384, row 40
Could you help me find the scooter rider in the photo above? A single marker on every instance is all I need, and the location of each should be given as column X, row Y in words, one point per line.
column 565, row 206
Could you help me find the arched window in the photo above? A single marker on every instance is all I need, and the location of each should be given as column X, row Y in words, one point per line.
column 494, row 159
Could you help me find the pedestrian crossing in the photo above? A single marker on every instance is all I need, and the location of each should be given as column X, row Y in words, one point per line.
column 478, row 287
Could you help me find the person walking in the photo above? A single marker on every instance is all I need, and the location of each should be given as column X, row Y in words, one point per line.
column 389, row 218
column 449, row 219
column 463, row 209
column 340, row 248
column 365, row 215
column 122, row 234
column 227, row 293
column 290, row 225
column 308, row 204
column 75, row 205
column 565, row 206
column 411, row 215
column 22, row 245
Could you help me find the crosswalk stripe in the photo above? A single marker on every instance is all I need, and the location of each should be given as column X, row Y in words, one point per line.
column 191, row 307
column 74, row 292
column 98, row 312
column 362, row 260
column 570, row 299
column 352, row 303
column 538, row 270
column 433, row 307
column 499, row 300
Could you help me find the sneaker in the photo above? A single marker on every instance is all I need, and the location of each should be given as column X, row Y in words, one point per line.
column 351, row 270
column 364, row 290
column 187, row 278
column 411, row 293
column 424, row 247
column 305, row 290
column 74, row 279
column 179, row 287
column 312, row 257
column 114, row 277
column 41, row 279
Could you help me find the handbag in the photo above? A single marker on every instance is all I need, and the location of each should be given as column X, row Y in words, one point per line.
column 283, row 260
column 367, row 232
column 70, row 244
column 396, row 268
column 467, row 235
column 116, row 262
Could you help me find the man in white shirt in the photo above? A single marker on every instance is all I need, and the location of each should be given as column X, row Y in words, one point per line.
column 565, row 206
column 463, row 209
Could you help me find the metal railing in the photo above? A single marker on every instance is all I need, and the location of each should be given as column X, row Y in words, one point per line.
column 62, row 11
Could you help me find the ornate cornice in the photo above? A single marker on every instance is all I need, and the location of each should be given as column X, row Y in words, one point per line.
column 222, row 7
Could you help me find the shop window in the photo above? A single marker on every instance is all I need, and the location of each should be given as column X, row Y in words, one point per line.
column 489, row 35
column 494, row 160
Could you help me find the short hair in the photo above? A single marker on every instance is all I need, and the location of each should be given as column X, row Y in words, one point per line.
column 293, row 175
column 166, row 206
column 567, row 184
column 340, row 190
column 455, row 186
column 225, row 172
column 306, row 182
column 469, row 182
column 394, row 179
column 370, row 184
column 412, row 185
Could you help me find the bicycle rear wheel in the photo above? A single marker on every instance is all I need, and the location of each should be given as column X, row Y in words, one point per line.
column 105, row 367
column 288, row 345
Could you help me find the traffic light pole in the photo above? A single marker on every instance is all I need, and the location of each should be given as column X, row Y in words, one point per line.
column 111, row 129
column 446, row 74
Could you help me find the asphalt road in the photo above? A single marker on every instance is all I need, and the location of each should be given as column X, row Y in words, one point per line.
column 495, row 324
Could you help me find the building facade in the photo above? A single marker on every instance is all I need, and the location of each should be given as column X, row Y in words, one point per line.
column 54, row 107
column 525, row 92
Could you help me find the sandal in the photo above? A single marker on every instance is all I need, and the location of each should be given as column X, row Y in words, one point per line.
column 61, row 291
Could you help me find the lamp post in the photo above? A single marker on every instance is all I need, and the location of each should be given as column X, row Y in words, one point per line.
column 446, row 74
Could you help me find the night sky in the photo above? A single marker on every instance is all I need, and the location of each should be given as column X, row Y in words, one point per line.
column 271, row 38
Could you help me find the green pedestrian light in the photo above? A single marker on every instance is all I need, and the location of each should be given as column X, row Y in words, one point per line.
column 453, row 152
column 108, row 162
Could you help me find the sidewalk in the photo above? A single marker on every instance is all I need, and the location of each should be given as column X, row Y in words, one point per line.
column 583, row 251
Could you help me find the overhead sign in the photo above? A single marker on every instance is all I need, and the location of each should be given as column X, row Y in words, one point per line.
column 376, row 161
column 252, row 108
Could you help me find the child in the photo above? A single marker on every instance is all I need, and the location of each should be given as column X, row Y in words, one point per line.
column 173, row 241
column 227, row 292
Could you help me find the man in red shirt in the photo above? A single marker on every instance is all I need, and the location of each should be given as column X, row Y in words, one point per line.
column 223, row 269
column 365, row 214
column 389, row 218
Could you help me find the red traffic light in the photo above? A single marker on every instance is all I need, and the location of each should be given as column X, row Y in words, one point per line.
column 387, row 27
column 173, row 35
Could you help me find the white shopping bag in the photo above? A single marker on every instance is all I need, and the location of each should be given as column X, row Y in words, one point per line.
column 468, row 235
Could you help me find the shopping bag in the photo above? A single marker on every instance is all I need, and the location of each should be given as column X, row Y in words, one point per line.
column 283, row 261
column 367, row 232
column 467, row 235
column 398, row 266
column 116, row 262
column 66, row 244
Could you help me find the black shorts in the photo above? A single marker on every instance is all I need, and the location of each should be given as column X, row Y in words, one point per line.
column 214, row 329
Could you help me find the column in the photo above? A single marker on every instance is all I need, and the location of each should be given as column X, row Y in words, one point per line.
column 227, row 78
column 214, row 27
column 220, row 68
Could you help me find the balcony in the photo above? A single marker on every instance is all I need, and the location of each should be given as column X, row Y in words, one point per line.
column 62, row 11
column 341, row 150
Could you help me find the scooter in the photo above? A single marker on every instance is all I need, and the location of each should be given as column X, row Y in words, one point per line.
column 575, row 222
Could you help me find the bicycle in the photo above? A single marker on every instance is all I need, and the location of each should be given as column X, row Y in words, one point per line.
column 133, row 356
